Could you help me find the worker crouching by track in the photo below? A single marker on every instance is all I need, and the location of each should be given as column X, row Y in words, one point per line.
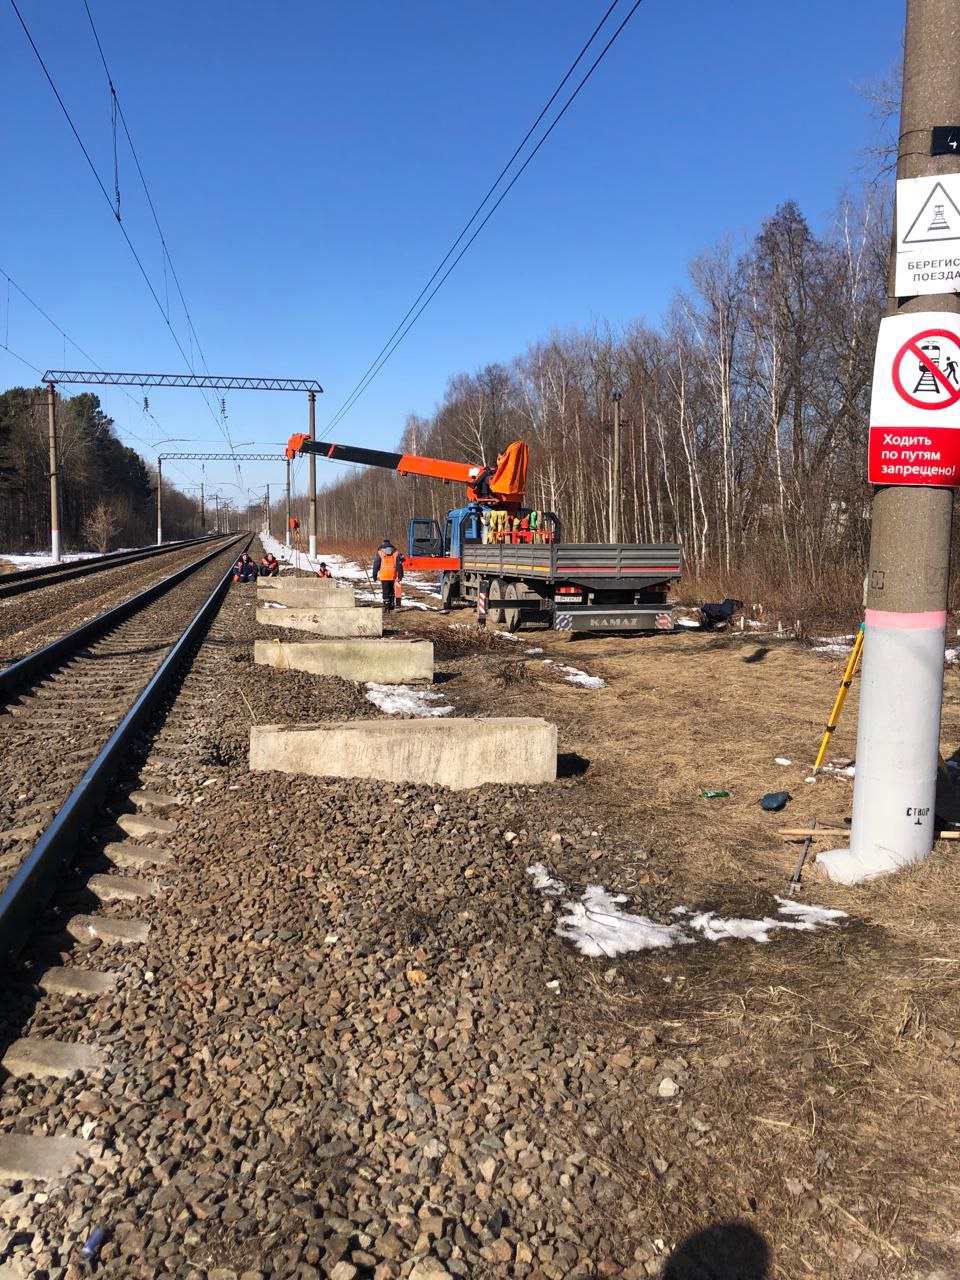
column 245, row 570
column 388, row 571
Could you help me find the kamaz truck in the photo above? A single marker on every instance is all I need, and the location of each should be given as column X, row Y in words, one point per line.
column 511, row 565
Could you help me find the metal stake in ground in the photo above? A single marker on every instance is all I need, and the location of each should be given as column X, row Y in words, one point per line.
column 901, row 683
column 798, row 869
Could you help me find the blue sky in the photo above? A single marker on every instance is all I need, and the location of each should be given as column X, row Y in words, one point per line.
column 311, row 163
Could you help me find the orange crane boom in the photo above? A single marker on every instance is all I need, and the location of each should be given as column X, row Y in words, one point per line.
column 504, row 484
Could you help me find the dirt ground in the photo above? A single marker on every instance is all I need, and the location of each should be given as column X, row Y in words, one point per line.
column 355, row 1047
column 826, row 1066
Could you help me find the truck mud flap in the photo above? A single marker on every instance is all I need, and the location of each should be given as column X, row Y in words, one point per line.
column 614, row 620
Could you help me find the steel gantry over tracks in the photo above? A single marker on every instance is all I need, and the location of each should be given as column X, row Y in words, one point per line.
column 190, row 381
column 194, row 456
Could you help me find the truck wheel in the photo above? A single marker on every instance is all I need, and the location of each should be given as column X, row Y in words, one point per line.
column 512, row 615
column 495, row 612
column 449, row 591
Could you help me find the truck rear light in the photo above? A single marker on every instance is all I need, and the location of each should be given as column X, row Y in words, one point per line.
column 569, row 591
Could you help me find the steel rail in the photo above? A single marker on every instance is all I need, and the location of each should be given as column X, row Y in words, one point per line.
column 27, row 668
column 36, row 878
column 22, row 580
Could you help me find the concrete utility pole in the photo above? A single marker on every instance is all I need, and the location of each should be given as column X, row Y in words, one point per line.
column 266, row 520
column 288, row 503
column 203, row 510
column 54, row 473
column 159, row 500
column 615, row 473
column 312, row 527
column 902, row 676
column 216, row 499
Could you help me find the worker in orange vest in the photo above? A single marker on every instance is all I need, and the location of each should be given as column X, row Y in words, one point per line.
column 388, row 570
column 323, row 571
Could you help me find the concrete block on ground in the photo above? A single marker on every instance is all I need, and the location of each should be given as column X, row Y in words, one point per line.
column 126, row 853
column 35, row 1056
column 27, row 1155
column 143, row 826
column 337, row 624
column 77, row 982
column 108, row 929
column 307, row 592
column 122, row 888
column 384, row 661
column 451, row 752
column 143, row 798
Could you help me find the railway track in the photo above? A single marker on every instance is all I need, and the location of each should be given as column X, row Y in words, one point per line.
column 72, row 709
column 23, row 580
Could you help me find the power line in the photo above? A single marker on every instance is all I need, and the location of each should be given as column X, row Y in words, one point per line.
column 404, row 327
column 493, row 186
column 73, row 342
column 167, row 259
column 114, row 208
column 136, row 159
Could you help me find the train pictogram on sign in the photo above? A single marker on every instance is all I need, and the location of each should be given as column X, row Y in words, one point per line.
column 925, row 370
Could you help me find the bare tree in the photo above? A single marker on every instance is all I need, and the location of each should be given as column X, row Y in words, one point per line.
column 102, row 525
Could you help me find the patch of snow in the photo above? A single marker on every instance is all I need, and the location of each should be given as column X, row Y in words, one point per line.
column 505, row 635
column 400, row 699
column 532, row 651
column 544, row 881
column 840, row 771
column 339, row 567
column 951, row 656
column 781, row 760
column 271, row 604
column 715, row 928
column 573, row 675
column 690, row 623
column 597, row 924
column 809, row 911
column 39, row 560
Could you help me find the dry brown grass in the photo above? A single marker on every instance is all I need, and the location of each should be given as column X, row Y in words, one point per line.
column 827, row 601
column 822, row 1089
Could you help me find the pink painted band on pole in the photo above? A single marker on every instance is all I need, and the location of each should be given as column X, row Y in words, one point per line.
column 927, row 621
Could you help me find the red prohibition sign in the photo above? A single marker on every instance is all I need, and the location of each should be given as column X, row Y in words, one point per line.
column 913, row 346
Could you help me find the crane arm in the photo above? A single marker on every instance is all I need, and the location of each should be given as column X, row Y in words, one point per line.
column 405, row 463
column 506, row 483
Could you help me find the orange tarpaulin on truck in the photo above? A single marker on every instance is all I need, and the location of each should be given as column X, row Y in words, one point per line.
column 509, row 481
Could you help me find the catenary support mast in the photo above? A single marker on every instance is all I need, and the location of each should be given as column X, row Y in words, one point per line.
column 902, row 676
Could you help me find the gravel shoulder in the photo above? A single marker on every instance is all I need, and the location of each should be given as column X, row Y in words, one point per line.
column 354, row 1047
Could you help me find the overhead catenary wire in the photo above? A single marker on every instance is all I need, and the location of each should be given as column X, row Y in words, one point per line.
column 493, row 186
column 166, row 259
column 114, row 207
column 407, row 323
column 86, row 354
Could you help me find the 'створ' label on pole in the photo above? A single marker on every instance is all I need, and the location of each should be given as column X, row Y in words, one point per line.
column 915, row 406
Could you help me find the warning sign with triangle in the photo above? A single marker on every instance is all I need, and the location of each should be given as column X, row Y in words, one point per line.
column 928, row 235
column 938, row 219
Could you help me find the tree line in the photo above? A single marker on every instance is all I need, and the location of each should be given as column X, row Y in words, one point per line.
column 744, row 414
column 107, row 491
